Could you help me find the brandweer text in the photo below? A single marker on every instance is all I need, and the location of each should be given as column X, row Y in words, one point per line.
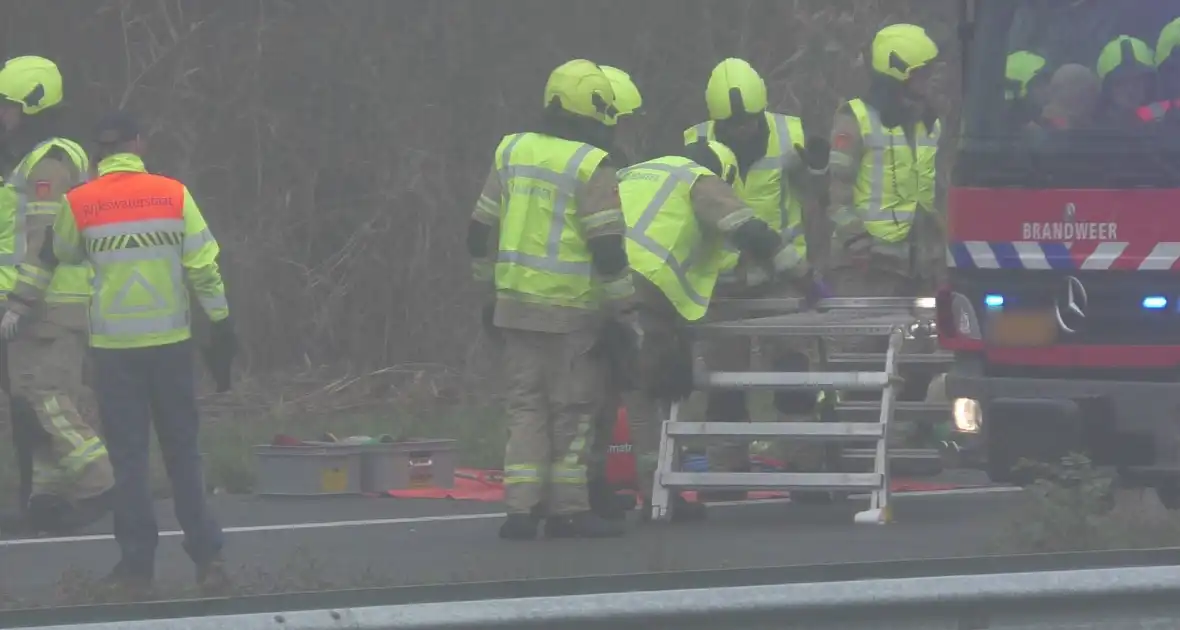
column 1070, row 231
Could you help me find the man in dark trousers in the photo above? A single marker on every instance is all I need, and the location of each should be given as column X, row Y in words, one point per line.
column 148, row 243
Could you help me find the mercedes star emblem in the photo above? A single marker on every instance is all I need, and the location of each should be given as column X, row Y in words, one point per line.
column 1071, row 306
column 1071, row 212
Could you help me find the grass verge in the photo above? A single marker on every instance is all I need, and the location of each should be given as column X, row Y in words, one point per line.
column 405, row 402
column 1073, row 506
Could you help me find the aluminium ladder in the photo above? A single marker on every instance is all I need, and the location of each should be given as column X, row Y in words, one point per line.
column 880, row 317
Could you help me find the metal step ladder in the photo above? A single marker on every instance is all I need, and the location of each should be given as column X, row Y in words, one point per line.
column 880, row 317
column 910, row 461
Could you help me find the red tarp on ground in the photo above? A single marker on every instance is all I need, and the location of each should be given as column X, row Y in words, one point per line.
column 488, row 486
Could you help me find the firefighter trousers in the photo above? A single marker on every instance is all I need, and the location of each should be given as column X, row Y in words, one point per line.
column 662, row 373
column 45, row 369
column 555, row 394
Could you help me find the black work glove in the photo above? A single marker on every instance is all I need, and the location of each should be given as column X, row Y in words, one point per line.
column 219, row 355
column 815, row 154
column 671, row 377
column 619, row 345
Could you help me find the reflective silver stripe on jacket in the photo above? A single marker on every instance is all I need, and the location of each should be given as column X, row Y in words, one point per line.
column 19, row 182
column 877, row 141
column 785, row 162
column 638, row 233
column 173, row 254
column 566, row 183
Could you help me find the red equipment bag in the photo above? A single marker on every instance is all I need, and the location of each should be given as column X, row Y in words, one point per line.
column 620, row 460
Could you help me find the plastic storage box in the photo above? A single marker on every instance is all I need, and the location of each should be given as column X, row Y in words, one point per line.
column 417, row 463
column 304, row 471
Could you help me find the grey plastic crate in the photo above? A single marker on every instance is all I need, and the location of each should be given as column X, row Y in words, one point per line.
column 305, row 471
column 415, row 463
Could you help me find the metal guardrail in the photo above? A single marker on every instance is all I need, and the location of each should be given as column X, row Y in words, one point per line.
column 1139, row 597
column 586, row 585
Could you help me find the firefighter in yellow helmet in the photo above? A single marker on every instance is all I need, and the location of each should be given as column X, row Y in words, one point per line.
column 1027, row 89
column 684, row 220
column 782, row 177
column 1126, row 67
column 45, row 322
column 607, row 500
column 629, row 103
column 1166, row 105
column 883, row 172
column 547, row 234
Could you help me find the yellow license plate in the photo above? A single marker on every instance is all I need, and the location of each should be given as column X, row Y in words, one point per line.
column 1023, row 328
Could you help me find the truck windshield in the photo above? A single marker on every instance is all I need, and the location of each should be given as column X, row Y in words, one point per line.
column 1067, row 93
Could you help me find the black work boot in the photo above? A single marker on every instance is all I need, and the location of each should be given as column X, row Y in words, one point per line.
column 809, row 497
column 212, row 578
column 604, row 502
column 519, row 527
column 583, row 525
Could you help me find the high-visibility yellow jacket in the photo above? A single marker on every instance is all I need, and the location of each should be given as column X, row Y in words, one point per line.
column 543, row 254
column 893, row 178
column 145, row 237
column 767, row 186
column 38, row 185
column 666, row 240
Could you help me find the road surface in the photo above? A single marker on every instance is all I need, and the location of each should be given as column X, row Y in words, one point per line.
column 349, row 542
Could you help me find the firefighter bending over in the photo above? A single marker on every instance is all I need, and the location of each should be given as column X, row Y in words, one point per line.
column 683, row 220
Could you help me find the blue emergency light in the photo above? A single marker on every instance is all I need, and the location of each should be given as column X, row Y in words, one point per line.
column 1154, row 302
column 993, row 300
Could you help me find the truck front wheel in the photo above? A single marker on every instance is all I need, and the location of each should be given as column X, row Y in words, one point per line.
column 1169, row 494
column 1038, row 431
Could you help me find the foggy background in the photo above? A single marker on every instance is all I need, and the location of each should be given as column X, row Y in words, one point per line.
column 336, row 148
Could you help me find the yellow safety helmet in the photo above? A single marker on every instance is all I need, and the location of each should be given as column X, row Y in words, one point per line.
column 1125, row 54
column 581, row 88
column 1023, row 67
column 33, row 82
column 735, row 87
column 627, row 98
column 900, row 49
column 1168, row 41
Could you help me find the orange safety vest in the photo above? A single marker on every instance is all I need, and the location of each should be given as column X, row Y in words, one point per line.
column 133, row 224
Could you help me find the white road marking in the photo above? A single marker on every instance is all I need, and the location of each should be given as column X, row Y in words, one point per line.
column 284, row 527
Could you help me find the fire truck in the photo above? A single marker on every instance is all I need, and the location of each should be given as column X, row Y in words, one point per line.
column 1062, row 305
